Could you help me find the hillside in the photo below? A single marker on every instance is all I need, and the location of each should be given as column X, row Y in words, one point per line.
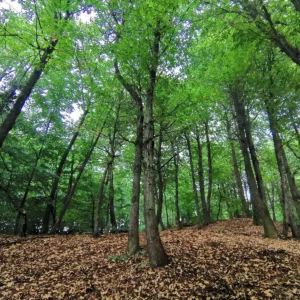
column 226, row 260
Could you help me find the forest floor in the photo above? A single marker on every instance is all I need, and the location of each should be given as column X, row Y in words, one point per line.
column 225, row 260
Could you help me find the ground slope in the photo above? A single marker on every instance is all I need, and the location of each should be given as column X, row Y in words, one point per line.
column 226, row 260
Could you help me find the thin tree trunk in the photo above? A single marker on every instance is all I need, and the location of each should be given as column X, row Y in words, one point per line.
column 160, row 181
column 59, row 170
column 245, row 209
column 22, row 213
column 176, row 181
column 201, row 179
column 133, row 244
column 99, row 203
column 111, row 199
column 288, row 216
column 259, row 205
column 210, row 170
column 271, row 197
column 196, row 198
column 72, row 191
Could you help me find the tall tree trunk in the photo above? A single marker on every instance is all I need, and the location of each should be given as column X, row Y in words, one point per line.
column 288, row 216
column 111, row 201
column 271, row 197
column 201, row 180
column 26, row 89
column 160, row 183
column 176, row 181
column 25, row 92
column 72, row 191
column 188, row 143
column 259, row 205
column 99, row 203
column 59, row 170
column 245, row 209
column 133, row 244
column 210, row 169
column 254, row 159
column 156, row 251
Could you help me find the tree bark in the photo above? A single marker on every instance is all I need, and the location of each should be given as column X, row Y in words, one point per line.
column 160, row 183
column 25, row 92
column 59, row 170
column 296, row 4
column 99, row 203
column 210, row 169
column 259, row 205
column 196, row 198
column 176, row 181
column 133, row 244
column 111, row 200
column 201, row 180
column 72, row 191
column 156, row 252
column 288, row 216
column 245, row 209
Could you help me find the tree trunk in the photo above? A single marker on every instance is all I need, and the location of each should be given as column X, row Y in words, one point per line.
column 49, row 208
column 296, row 5
column 210, row 169
column 201, row 180
column 160, row 184
column 133, row 244
column 24, row 93
column 72, row 191
column 176, row 181
column 22, row 212
column 188, row 143
column 245, row 209
column 259, row 205
column 156, row 251
column 288, row 216
column 271, row 197
column 99, row 204
column 111, row 199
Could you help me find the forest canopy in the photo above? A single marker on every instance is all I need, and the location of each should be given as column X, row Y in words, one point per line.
column 140, row 115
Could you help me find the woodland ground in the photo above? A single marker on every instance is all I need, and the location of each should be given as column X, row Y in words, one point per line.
column 226, row 260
